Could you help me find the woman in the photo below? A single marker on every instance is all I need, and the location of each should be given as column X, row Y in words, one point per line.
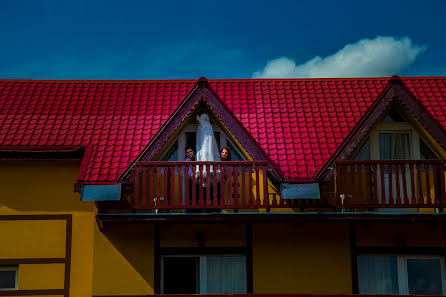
column 225, row 154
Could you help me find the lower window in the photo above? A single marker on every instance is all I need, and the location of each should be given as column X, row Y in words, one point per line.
column 203, row 274
column 8, row 277
column 397, row 274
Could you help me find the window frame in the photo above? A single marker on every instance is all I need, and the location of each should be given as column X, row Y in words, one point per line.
column 402, row 272
column 202, row 263
column 396, row 127
column 224, row 139
column 403, row 286
column 11, row 268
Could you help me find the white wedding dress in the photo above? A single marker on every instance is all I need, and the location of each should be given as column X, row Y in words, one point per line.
column 207, row 149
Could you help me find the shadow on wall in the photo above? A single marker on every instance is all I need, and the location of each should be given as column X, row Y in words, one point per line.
column 40, row 185
column 124, row 261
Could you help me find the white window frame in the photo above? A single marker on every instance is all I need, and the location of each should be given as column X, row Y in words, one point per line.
column 203, row 268
column 396, row 127
column 403, row 285
column 193, row 128
column 11, row 268
column 402, row 277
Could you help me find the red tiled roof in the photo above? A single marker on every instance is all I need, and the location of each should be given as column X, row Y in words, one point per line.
column 299, row 122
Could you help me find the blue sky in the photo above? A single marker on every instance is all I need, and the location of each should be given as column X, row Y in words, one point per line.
column 57, row 39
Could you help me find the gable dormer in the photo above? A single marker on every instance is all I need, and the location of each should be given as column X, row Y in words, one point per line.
column 163, row 179
column 397, row 136
column 392, row 158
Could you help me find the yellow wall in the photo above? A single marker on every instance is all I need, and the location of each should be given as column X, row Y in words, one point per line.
column 213, row 235
column 47, row 239
column 393, row 235
column 123, row 261
column 304, row 259
column 35, row 187
column 38, row 276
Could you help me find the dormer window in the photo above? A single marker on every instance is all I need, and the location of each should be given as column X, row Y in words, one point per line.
column 187, row 138
column 394, row 138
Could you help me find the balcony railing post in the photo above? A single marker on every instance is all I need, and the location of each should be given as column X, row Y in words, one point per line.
column 144, row 187
column 428, row 186
column 420, row 199
column 435, row 184
column 250, row 200
column 236, row 196
column 136, row 197
column 265, row 188
column 336, row 184
column 441, row 177
column 243, row 197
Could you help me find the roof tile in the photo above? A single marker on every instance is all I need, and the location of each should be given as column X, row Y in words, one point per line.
column 300, row 123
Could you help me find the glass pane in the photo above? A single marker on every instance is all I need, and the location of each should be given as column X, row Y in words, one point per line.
column 180, row 275
column 7, row 279
column 426, row 152
column 191, row 141
column 400, row 147
column 364, row 152
column 377, row 275
column 384, row 146
column 235, row 156
column 393, row 116
column 172, row 153
column 424, row 276
column 217, row 138
column 394, row 146
column 226, row 274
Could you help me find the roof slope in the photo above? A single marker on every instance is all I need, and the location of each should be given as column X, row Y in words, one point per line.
column 299, row 122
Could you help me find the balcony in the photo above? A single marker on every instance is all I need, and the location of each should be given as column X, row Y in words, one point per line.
column 203, row 185
column 390, row 184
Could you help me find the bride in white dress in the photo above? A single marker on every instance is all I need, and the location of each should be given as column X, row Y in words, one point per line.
column 207, row 149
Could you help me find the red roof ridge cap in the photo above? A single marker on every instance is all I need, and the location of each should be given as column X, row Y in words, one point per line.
column 99, row 80
column 219, row 80
column 299, row 79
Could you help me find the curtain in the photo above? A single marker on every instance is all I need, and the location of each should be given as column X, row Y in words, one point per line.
column 394, row 146
column 226, row 274
column 400, row 148
column 378, row 275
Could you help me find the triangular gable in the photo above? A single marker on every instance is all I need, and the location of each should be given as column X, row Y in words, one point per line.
column 395, row 94
column 202, row 93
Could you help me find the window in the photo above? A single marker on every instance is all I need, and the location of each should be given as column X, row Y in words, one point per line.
column 396, row 274
column 187, row 139
column 203, row 274
column 8, row 277
column 395, row 138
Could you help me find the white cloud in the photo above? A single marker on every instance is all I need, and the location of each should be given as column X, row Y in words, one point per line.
column 382, row 56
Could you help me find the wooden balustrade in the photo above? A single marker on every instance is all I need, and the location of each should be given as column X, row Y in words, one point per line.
column 270, row 295
column 203, row 185
column 390, row 183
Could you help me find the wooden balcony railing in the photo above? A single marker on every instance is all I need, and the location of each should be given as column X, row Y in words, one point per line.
column 203, row 185
column 390, row 183
column 269, row 295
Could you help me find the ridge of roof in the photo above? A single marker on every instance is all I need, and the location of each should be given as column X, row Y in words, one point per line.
column 217, row 80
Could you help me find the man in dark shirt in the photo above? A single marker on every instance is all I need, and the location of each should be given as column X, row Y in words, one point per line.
column 190, row 156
